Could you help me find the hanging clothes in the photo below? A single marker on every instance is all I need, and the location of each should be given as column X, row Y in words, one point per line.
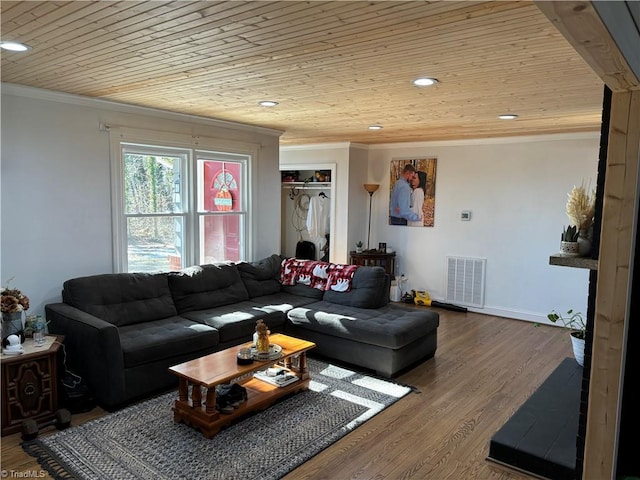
column 318, row 216
column 318, row 221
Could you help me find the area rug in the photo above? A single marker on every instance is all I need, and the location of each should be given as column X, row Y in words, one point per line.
column 143, row 442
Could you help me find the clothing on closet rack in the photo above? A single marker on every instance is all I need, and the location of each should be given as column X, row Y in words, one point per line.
column 318, row 220
column 318, row 216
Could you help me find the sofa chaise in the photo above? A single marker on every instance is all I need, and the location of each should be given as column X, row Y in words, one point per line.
column 124, row 330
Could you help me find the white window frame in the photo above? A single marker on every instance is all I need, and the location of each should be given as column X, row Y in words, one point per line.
column 201, row 154
column 179, row 143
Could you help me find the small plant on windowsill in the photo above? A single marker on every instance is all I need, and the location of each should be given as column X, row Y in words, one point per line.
column 359, row 247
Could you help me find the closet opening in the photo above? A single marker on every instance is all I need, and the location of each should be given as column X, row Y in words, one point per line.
column 308, row 206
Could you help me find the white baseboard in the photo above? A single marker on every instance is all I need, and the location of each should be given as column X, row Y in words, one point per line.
column 516, row 314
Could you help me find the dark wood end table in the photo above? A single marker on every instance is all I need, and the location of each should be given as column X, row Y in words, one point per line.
column 375, row 259
column 30, row 384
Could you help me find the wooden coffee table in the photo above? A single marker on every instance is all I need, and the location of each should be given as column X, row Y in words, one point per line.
column 222, row 368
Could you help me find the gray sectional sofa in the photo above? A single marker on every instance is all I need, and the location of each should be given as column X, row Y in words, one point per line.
column 124, row 330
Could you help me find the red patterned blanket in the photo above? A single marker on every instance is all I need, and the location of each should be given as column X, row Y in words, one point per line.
column 316, row 274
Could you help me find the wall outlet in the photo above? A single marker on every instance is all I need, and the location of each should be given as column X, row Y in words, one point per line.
column 465, row 215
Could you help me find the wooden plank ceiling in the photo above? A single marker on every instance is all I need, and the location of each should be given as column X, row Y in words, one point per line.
column 334, row 67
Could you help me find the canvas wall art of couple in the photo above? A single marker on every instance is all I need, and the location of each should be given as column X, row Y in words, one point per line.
column 412, row 192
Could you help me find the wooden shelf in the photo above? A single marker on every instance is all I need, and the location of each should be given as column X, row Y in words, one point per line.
column 304, row 185
column 576, row 262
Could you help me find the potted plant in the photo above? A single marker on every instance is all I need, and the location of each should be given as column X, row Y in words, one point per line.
column 569, row 241
column 575, row 322
column 31, row 323
column 359, row 247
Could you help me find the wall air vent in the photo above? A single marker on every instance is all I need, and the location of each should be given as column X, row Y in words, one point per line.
column 465, row 281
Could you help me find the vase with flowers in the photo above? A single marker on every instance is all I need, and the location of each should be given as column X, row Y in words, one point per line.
column 581, row 211
column 13, row 304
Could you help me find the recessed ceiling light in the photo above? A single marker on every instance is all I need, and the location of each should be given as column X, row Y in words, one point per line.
column 508, row 116
column 375, row 127
column 424, row 82
column 267, row 103
column 14, row 46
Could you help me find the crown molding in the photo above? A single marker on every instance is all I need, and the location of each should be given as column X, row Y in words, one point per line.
column 53, row 96
column 550, row 137
column 315, row 146
column 491, row 141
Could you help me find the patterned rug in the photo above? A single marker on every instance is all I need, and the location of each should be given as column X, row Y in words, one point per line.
column 143, row 442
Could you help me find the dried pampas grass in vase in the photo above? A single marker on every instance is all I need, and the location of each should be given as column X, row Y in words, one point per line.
column 581, row 211
column 581, row 206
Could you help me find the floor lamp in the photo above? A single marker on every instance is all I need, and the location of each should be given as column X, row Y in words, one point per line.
column 370, row 187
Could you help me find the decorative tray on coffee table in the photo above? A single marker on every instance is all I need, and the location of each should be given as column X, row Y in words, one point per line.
column 275, row 352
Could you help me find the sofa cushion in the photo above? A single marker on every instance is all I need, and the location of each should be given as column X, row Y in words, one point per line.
column 388, row 327
column 171, row 337
column 367, row 289
column 303, row 291
column 237, row 322
column 261, row 277
column 282, row 301
column 121, row 298
column 206, row 286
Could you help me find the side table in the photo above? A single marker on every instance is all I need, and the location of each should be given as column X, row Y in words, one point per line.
column 30, row 384
column 375, row 259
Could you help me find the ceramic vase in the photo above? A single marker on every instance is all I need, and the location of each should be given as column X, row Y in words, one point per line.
column 12, row 325
column 584, row 243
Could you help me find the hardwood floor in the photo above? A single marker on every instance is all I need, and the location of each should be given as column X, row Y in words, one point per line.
column 485, row 368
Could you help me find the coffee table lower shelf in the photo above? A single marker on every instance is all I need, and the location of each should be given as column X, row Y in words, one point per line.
column 260, row 395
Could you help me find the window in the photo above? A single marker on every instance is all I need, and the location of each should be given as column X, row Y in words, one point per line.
column 153, row 208
column 221, row 206
column 176, row 207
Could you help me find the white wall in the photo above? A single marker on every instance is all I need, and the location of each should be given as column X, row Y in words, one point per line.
column 516, row 189
column 358, row 211
column 55, row 185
